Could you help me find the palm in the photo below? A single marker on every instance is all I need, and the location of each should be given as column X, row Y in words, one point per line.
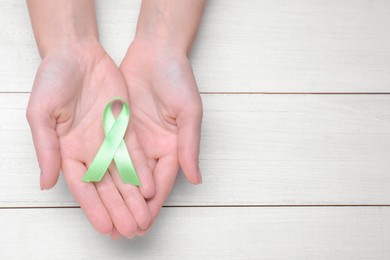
column 69, row 95
column 167, row 112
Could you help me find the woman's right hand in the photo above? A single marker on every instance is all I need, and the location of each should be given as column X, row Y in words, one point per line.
column 65, row 110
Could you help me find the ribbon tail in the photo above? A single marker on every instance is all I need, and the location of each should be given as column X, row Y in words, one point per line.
column 125, row 165
column 100, row 164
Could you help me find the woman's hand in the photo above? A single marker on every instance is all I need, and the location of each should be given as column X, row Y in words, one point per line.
column 166, row 114
column 71, row 89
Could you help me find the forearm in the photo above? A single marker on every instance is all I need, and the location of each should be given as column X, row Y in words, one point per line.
column 170, row 23
column 62, row 23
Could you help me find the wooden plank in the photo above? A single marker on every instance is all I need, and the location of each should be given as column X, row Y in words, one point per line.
column 205, row 233
column 256, row 149
column 260, row 46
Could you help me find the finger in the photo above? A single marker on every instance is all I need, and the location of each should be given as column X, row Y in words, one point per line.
column 87, row 196
column 46, row 146
column 115, row 235
column 134, row 200
column 116, row 207
column 141, row 167
column 189, row 127
column 165, row 174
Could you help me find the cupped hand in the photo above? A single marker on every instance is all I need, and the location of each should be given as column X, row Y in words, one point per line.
column 166, row 113
column 70, row 91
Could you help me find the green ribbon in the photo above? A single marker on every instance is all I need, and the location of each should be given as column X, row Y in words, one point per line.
column 113, row 148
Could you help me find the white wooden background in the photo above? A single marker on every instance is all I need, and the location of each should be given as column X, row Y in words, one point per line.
column 297, row 108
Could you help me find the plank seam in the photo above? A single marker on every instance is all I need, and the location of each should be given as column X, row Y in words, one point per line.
column 214, row 206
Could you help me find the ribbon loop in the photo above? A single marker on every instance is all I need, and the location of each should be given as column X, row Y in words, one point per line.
column 113, row 148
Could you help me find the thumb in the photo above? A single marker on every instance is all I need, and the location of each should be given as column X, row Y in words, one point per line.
column 189, row 126
column 46, row 146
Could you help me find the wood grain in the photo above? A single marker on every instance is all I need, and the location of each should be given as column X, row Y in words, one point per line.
column 286, row 153
column 256, row 46
column 205, row 233
column 256, row 150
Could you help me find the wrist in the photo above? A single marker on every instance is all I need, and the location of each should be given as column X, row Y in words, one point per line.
column 160, row 36
column 170, row 25
column 71, row 46
column 148, row 51
column 62, row 23
column 80, row 55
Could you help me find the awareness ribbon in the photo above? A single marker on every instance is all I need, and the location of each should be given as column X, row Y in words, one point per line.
column 113, row 148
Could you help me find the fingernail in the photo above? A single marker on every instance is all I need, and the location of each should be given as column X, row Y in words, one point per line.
column 145, row 227
column 131, row 237
column 41, row 181
column 199, row 176
column 142, row 232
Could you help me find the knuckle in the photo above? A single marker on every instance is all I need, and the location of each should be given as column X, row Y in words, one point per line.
column 131, row 193
column 147, row 191
column 196, row 109
column 104, row 188
column 114, row 205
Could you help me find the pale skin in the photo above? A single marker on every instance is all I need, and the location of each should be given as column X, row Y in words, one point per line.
column 75, row 81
